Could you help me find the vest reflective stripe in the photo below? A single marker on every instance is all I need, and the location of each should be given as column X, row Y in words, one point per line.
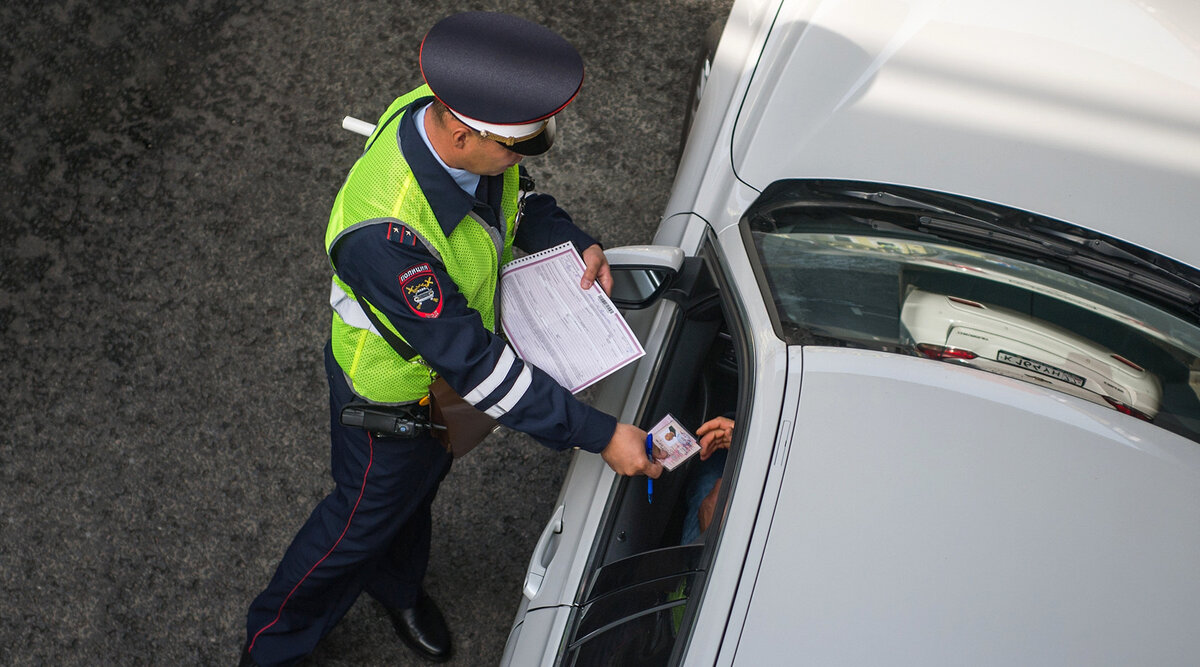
column 520, row 386
column 348, row 309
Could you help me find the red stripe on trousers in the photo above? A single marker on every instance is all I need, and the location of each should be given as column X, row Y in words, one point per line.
column 361, row 490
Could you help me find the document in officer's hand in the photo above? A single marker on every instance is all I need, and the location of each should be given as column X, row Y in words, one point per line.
column 576, row 336
column 678, row 442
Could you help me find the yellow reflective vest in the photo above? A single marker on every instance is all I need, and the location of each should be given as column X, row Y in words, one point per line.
column 381, row 190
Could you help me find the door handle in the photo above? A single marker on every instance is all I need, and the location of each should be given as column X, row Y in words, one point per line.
column 543, row 553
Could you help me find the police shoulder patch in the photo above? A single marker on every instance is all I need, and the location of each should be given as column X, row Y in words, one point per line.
column 421, row 291
column 399, row 234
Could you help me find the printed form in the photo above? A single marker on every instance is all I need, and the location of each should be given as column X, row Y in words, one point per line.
column 576, row 336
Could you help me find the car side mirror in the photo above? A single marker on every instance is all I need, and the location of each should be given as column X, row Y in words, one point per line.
column 642, row 273
column 638, row 287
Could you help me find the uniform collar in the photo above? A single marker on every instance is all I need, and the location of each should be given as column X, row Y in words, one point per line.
column 449, row 203
column 467, row 181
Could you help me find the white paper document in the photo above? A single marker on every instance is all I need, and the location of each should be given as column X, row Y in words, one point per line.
column 576, row 336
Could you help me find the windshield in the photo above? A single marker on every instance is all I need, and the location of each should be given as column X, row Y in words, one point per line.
column 869, row 271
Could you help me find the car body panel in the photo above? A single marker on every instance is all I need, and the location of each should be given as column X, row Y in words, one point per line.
column 974, row 519
column 892, row 509
column 743, row 541
column 535, row 637
column 705, row 185
column 973, row 97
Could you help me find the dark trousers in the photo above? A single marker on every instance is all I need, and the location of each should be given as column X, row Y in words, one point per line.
column 370, row 534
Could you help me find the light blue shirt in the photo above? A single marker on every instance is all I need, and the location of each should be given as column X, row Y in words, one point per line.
column 465, row 179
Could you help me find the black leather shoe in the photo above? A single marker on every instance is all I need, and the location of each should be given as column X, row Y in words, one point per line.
column 423, row 628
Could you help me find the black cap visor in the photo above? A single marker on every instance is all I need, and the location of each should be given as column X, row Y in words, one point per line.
column 538, row 143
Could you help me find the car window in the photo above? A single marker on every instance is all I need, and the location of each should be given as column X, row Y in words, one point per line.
column 983, row 286
column 648, row 566
column 633, row 607
column 647, row 621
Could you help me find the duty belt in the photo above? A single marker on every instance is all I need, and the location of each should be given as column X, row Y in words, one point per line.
column 401, row 421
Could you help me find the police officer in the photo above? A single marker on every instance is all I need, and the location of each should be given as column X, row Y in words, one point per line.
column 423, row 222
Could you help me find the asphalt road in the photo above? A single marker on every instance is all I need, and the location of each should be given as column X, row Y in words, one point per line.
column 167, row 172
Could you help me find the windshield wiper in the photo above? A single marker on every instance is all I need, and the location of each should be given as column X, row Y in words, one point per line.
column 989, row 231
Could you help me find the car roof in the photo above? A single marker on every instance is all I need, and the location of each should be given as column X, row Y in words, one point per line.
column 1088, row 112
column 934, row 514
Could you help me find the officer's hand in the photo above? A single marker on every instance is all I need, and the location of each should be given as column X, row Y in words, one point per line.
column 626, row 453
column 596, row 269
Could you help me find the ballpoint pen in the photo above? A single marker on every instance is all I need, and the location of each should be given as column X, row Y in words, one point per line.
column 650, row 480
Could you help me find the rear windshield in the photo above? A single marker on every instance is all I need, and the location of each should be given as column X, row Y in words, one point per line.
column 890, row 278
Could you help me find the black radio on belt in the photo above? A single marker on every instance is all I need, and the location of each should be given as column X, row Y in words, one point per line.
column 396, row 422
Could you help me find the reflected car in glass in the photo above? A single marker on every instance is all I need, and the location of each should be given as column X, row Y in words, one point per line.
column 1008, row 342
column 933, row 259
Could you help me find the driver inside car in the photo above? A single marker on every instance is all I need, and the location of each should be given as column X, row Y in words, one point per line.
column 704, row 483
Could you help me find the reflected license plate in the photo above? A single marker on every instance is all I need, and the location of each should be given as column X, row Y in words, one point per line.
column 1040, row 368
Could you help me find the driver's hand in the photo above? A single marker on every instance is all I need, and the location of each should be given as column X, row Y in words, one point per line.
column 714, row 434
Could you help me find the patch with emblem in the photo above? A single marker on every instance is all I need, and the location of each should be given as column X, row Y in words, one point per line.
column 398, row 233
column 421, row 290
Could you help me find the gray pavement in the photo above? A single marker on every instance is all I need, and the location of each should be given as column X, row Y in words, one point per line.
column 167, row 171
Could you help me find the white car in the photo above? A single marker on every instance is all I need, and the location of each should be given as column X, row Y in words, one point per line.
column 1002, row 340
column 877, row 506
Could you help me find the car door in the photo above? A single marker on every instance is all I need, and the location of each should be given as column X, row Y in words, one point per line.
column 609, row 576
